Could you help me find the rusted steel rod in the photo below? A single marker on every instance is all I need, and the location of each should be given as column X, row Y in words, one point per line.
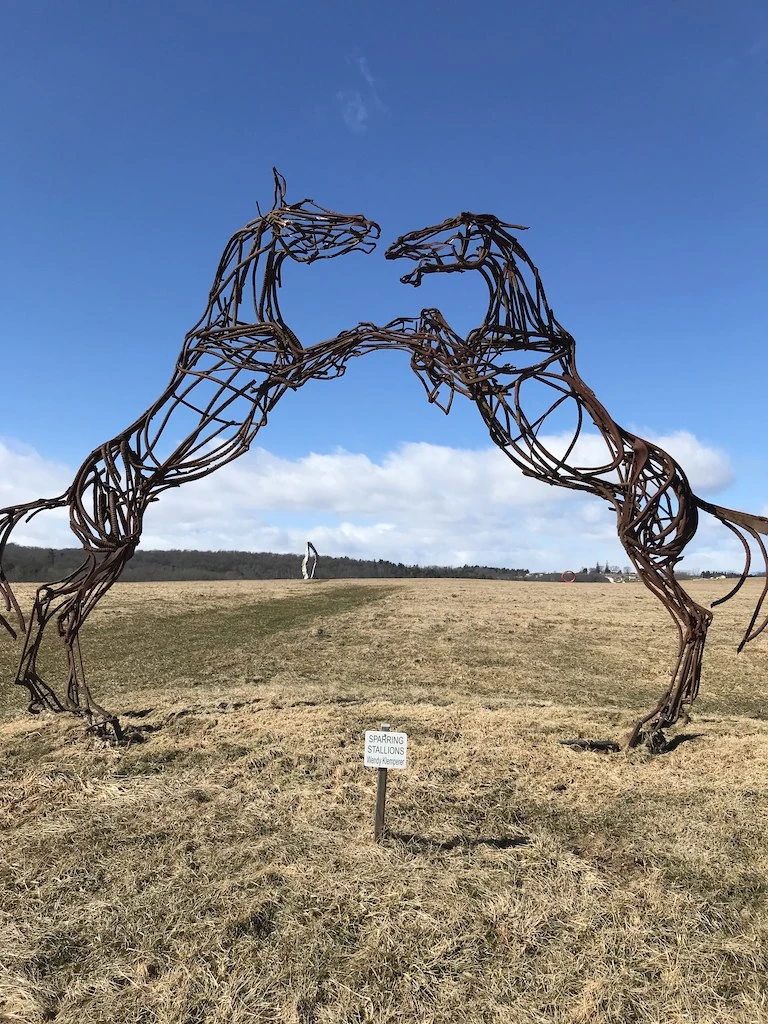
column 236, row 363
column 518, row 366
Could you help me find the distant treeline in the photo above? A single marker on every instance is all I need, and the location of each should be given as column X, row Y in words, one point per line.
column 40, row 565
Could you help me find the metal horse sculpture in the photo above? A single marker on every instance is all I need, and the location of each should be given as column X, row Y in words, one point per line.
column 240, row 359
column 520, row 349
column 235, row 364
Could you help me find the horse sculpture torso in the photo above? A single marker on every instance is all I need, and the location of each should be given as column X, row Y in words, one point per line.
column 230, row 373
column 520, row 349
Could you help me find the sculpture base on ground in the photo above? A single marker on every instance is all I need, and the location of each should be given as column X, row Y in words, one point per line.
column 107, row 729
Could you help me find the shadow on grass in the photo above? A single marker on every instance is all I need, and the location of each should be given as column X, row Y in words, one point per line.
column 595, row 746
column 659, row 743
column 675, row 742
column 426, row 845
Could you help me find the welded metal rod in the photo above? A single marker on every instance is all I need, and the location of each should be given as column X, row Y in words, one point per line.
column 517, row 365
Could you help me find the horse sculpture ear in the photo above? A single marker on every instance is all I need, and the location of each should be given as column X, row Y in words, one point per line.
column 280, row 187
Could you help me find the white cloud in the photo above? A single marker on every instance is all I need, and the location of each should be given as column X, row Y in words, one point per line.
column 353, row 110
column 355, row 107
column 708, row 469
column 371, row 82
column 25, row 475
column 420, row 503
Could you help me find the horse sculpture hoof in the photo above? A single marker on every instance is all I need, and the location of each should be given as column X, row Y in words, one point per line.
column 107, row 729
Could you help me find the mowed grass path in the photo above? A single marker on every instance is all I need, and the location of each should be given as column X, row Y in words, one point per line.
column 221, row 866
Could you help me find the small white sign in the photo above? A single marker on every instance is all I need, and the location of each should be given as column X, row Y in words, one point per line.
column 385, row 749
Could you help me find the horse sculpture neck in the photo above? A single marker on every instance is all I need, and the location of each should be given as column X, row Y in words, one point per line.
column 518, row 317
column 251, row 253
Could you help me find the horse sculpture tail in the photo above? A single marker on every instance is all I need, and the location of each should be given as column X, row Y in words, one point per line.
column 9, row 520
column 744, row 525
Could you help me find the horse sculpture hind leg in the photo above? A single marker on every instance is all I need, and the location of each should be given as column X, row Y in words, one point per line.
column 657, row 516
column 68, row 603
column 657, row 521
column 13, row 620
column 692, row 623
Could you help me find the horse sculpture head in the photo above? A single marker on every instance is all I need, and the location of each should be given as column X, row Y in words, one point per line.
column 460, row 243
column 243, row 327
column 518, row 336
column 252, row 259
column 306, row 232
column 518, row 318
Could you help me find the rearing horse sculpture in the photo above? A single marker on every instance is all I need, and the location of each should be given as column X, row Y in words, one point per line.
column 235, row 365
column 520, row 346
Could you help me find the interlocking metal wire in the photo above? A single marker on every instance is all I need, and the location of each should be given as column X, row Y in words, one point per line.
column 236, row 363
column 520, row 353
column 241, row 357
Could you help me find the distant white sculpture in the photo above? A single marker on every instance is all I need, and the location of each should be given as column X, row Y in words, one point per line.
column 307, row 569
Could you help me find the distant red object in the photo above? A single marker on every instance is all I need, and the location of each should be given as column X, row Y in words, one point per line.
column 571, row 573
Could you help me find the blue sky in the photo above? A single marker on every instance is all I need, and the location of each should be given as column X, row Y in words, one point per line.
column 631, row 138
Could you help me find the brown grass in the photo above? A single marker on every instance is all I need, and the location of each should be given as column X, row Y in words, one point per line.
column 221, row 867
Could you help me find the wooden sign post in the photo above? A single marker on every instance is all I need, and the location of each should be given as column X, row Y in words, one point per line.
column 384, row 750
column 381, row 797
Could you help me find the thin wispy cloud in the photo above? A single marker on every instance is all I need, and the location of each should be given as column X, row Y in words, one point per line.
column 353, row 110
column 372, row 83
column 356, row 104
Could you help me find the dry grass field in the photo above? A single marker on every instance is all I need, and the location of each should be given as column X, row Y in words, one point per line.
column 221, row 867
